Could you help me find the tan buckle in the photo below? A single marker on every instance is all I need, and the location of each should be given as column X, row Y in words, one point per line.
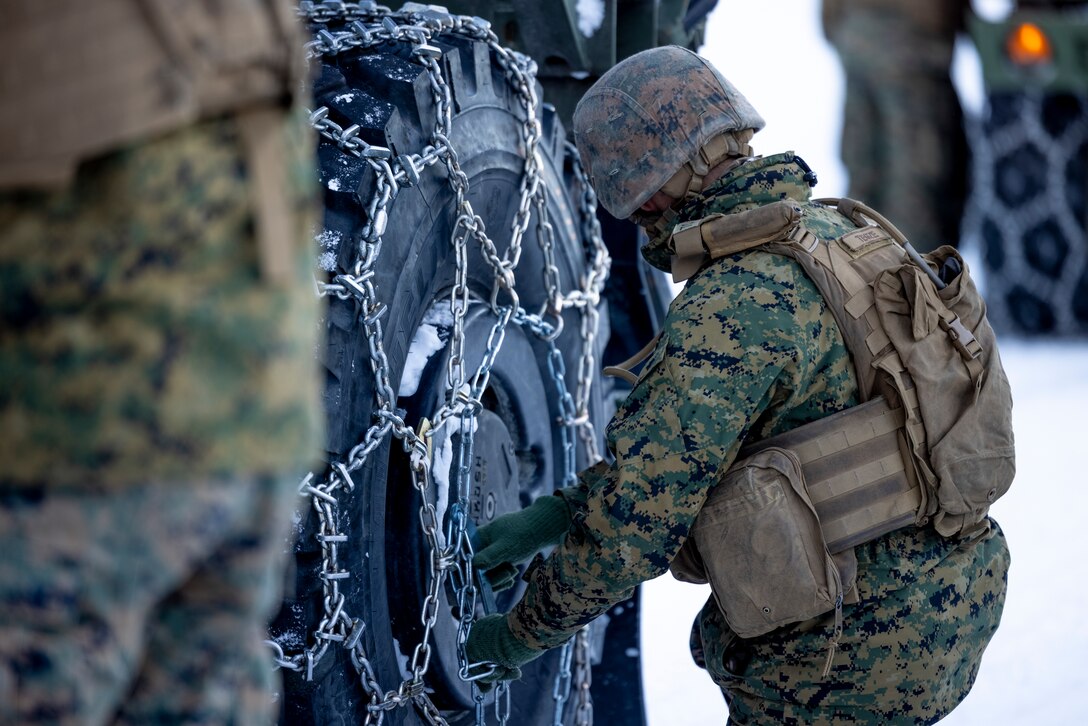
column 962, row 338
column 803, row 238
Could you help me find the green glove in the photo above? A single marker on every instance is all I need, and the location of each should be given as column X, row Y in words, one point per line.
column 491, row 642
column 516, row 537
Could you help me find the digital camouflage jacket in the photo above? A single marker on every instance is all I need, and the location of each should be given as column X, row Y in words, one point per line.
column 748, row 350
column 139, row 338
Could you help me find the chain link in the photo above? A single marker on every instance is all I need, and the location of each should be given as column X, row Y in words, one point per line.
column 561, row 688
column 344, row 26
column 583, row 679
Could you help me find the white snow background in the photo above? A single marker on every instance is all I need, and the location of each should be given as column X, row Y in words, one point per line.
column 1034, row 671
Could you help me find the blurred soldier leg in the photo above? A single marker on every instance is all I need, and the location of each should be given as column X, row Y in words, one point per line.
column 158, row 391
column 912, row 164
column 903, row 141
column 146, row 606
column 157, row 401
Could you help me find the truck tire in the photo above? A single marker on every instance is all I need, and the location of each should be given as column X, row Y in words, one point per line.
column 1029, row 211
column 519, row 452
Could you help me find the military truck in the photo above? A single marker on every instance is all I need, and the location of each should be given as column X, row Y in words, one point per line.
column 1030, row 157
column 468, row 276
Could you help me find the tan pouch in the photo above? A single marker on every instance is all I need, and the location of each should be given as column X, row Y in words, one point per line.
column 760, row 542
column 964, row 403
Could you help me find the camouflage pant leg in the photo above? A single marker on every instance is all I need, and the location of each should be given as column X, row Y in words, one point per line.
column 904, row 146
column 908, row 656
column 146, row 605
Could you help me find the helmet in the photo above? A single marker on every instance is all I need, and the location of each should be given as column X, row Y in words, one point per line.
column 652, row 114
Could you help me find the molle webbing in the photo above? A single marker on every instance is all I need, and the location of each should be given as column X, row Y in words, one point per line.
column 855, row 472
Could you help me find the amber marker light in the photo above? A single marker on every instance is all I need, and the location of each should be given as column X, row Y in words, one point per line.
column 1028, row 45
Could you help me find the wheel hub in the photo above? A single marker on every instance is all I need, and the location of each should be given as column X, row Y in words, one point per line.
column 493, row 487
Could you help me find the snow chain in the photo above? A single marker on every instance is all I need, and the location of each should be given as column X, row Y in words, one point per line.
column 364, row 25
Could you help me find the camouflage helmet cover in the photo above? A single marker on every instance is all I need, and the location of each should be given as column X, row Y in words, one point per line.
column 648, row 116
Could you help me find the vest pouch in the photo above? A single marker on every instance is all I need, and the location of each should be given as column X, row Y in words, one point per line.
column 760, row 542
column 961, row 396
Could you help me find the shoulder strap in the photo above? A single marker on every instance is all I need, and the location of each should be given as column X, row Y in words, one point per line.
column 962, row 338
column 842, row 272
column 842, row 269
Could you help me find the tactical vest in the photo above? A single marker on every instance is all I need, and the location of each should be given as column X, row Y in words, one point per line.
column 931, row 444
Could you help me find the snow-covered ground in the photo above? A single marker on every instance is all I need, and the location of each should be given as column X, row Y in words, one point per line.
column 1035, row 670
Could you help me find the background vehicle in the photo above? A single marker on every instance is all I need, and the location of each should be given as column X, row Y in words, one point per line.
column 462, row 258
column 1031, row 149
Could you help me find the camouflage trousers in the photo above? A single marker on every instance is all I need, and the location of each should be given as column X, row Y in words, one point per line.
column 143, row 605
column 911, row 166
column 907, row 655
